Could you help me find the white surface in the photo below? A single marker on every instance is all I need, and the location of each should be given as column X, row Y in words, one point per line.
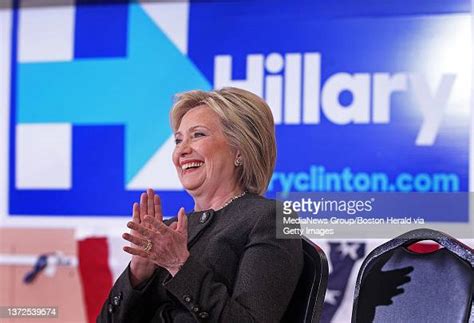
column 44, row 156
column 311, row 88
column 46, row 33
column 292, row 89
column 30, row 260
column 253, row 80
column 159, row 172
column 274, row 63
column 273, row 96
column 172, row 19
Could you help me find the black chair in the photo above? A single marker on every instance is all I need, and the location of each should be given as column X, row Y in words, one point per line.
column 306, row 304
column 397, row 285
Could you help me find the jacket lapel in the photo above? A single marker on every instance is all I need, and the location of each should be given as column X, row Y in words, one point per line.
column 197, row 222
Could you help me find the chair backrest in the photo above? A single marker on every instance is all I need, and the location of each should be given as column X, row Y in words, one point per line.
column 306, row 304
column 397, row 285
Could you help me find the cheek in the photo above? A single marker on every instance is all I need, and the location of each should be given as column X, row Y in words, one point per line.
column 221, row 155
column 174, row 158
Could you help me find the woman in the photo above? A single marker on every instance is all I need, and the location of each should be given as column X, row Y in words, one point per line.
column 222, row 262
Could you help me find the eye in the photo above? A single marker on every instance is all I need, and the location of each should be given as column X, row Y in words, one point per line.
column 177, row 141
column 199, row 134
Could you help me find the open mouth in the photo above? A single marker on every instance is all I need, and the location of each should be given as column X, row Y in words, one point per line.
column 189, row 167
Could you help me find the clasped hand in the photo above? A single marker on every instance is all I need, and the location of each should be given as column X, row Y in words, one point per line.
column 152, row 241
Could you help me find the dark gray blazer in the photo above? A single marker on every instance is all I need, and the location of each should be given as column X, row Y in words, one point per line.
column 237, row 272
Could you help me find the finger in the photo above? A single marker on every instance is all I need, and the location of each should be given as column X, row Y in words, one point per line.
column 158, row 212
column 403, row 280
column 136, row 213
column 173, row 225
column 399, row 273
column 136, row 252
column 154, row 223
column 135, row 240
column 141, row 229
column 143, row 206
column 150, row 202
column 404, row 271
column 182, row 221
column 398, row 291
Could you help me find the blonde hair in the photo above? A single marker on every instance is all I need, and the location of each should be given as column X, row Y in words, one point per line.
column 247, row 122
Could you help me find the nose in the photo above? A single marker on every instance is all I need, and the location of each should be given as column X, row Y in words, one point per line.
column 184, row 148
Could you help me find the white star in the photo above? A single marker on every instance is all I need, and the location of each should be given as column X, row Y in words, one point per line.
column 331, row 296
column 349, row 250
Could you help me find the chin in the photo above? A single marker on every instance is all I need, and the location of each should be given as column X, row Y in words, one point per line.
column 191, row 182
column 190, row 185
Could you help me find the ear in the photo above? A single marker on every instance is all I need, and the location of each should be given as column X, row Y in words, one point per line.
column 238, row 155
column 238, row 159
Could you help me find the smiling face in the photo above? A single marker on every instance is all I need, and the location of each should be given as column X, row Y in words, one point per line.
column 203, row 158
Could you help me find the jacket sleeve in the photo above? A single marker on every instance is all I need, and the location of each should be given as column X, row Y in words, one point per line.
column 266, row 278
column 131, row 304
column 128, row 304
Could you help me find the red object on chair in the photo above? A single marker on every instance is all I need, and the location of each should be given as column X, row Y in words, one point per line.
column 424, row 247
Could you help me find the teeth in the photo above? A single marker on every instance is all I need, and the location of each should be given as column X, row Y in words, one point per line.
column 189, row 165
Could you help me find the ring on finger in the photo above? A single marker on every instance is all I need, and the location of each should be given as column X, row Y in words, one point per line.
column 148, row 246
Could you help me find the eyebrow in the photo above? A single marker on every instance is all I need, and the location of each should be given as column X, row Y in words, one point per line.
column 192, row 128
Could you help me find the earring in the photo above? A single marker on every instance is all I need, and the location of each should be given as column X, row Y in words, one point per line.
column 238, row 162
